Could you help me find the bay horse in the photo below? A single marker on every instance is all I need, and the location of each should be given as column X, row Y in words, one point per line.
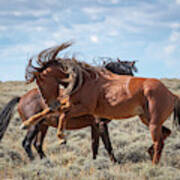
column 100, row 93
column 32, row 103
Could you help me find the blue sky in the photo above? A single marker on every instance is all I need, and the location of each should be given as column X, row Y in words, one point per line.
column 144, row 30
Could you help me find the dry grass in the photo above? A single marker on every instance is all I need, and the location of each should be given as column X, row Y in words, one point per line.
column 130, row 140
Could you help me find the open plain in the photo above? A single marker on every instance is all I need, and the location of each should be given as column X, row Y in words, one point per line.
column 130, row 140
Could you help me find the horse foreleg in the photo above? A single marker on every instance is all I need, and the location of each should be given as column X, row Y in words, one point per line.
column 95, row 139
column 61, row 127
column 103, row 128
column 66, row 114
column 33, row 120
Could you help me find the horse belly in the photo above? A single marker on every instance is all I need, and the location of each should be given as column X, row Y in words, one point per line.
column 127, row 113
column 121, row 111
column 80, row 122
column 73, row 123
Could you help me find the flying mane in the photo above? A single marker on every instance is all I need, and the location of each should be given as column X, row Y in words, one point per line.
column 71, row 66
column 74, row 69
column 44, row 59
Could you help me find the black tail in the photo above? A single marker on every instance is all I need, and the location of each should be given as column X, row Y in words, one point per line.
column 176, row 120
column 6, row 114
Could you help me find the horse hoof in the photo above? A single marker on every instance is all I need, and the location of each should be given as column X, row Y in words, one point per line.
column 113, row 160
column 31, row 158
column 62, row 141
column 23, row 126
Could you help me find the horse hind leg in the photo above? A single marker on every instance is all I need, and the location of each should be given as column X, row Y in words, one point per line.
column 38, row 143
column 159, row 133
column 27, row 147
column 155, row 127
column 28, row 141
column 160, row 106
column 158, row 142
column 165, row 133
column 144, row 120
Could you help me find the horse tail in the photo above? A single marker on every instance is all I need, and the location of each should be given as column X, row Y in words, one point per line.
column 176, row 120
column 6, row 114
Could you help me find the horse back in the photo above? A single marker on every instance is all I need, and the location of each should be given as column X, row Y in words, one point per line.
column 126, row 96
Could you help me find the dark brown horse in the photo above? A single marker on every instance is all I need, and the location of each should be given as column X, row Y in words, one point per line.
column 121, row 67
column 32, row 103
column 99, row 92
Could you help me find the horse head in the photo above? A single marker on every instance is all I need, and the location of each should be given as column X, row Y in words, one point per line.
column 50, row 73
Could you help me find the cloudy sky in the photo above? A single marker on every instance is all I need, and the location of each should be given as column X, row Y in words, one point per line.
column 144, row 30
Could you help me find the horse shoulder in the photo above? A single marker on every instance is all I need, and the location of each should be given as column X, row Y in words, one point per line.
column 117, row 91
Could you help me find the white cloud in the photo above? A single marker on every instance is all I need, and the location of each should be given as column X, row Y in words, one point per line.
column 94, row 38
column 17, row 13
column 3, row 28
column 178, row 2
column 50, row 43
column 21, row 0
column 108, row 1
column 169, row 49
column 94, row 12
column 113, row 33
column 175, row 25
column 29, row 12
column 174, row 36
column 39, row 28
column 114, row 1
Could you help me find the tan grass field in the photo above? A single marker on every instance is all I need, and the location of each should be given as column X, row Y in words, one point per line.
column 130, row 140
